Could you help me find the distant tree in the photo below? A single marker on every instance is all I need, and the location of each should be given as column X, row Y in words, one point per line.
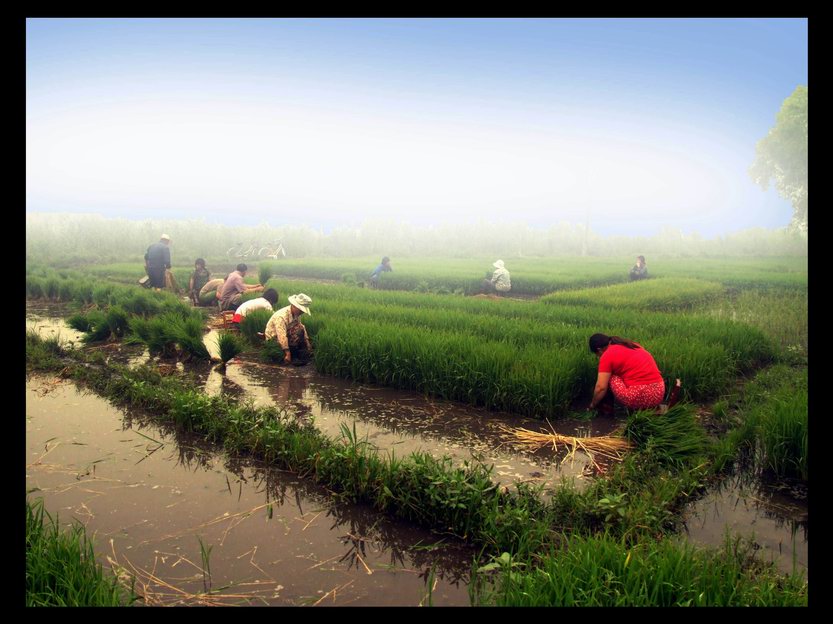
column 781, row 156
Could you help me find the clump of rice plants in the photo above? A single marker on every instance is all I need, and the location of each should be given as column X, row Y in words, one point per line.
column 79, row 322
column 229, row 344
column 98, row 329
column 776, row 409
column 116, row 318
column 671, row 438
column 605, row 571
column 42, row 352
column 271, row 352
column 189, row 337
column 254, row 323
column 61, row 569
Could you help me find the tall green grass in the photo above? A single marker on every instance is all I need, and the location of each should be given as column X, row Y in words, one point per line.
column 605, row 571
column 61, row 570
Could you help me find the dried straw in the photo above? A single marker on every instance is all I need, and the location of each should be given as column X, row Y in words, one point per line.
column 610, row 447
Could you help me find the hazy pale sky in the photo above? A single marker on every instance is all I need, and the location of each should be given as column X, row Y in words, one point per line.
column 638, row 123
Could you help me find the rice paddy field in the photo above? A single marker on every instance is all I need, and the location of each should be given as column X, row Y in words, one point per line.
column 427, row 346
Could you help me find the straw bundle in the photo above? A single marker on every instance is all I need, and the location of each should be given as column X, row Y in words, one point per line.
column 610, row 447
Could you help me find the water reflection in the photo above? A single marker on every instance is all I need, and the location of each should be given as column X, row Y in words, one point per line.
column 160, row 489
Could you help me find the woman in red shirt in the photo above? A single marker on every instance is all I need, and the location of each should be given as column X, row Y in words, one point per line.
column 628, row 370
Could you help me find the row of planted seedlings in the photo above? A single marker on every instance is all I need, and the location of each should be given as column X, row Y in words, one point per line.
column 107, row 311
column 525, row 357
column 613, row 526
column 530, row 276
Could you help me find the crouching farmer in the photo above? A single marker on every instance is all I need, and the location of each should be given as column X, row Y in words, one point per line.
column 629, row 371
column 286, row 328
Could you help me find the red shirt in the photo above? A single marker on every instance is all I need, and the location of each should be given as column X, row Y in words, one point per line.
column 636, row 367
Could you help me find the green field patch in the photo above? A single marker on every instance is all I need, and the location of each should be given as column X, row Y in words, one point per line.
column 664, row 293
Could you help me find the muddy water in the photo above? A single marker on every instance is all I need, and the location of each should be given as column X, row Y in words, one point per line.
column 776, row 520
column 149, row 497
column 404, row 422
column 44, row 319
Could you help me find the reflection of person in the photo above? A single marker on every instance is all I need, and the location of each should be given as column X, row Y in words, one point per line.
column 157, row 259
column 231, row 294
column 383, row 267
column 286, row 328
column 208, row 293
column 629, row 371
column 639, row 270
column 199, row 278
column 266, row 302
column 499, row 281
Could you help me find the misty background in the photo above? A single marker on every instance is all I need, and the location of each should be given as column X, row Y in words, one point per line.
column 415, row 132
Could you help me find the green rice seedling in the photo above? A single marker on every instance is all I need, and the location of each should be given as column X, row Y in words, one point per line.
column 189, row 337
column 61, row 569
column 205, row 554
column 116, row 318
column 35, row 287
column 254, row 323
column 776, row 409
column 271, row 352
column 264, row 272
column 605, row 571
column 79, row 322
column 42, row 353
column 229, row 344
column 671, row 438
column 98, row 329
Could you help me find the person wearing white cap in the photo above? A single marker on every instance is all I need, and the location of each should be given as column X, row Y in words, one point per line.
column 499, row 281
column 286, row 328
column 157, row 260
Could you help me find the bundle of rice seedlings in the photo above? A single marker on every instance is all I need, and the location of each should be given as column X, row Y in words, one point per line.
column 190, row 337
column 264, row 272
column 79, row 322
column 673, row 437
column 271, row 351
column 609, row 447
column 254, row 323
column 98, row 328
column 229, row 344
column 116, row 318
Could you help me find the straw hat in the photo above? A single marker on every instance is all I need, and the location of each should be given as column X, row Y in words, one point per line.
column 301, row 301
column 165, row 237
column 498, row 264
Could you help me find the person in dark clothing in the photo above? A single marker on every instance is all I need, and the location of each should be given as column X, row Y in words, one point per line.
column 639, row 270
column 157, row 259
column 199, row 278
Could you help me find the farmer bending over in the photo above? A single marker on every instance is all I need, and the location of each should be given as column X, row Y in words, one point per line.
column 230, row 295
column 266, row 302
column 383, row 267
column 499, row 282
column 286, row 328
column 629, row 371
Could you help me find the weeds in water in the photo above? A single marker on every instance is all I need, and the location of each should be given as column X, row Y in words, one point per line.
column 205, row 554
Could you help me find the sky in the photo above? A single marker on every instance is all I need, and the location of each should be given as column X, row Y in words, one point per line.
column 632, row 125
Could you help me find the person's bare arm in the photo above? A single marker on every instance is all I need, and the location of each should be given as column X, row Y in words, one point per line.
column 602, row 382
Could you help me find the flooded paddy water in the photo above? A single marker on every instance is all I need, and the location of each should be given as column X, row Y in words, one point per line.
column 402, row 422
column 149, row 497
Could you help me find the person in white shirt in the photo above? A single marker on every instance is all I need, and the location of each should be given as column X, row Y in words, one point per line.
column 266, row 302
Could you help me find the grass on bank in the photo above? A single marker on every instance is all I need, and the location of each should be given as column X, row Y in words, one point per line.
column 61, row 569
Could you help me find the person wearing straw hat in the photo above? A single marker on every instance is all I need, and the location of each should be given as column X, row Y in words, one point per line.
column 158, row 260
column 286, row 328
column 499, row 282
column 628, row 371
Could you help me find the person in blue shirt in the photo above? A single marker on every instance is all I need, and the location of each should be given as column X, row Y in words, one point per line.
column 157, row 259
column 377, row 272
